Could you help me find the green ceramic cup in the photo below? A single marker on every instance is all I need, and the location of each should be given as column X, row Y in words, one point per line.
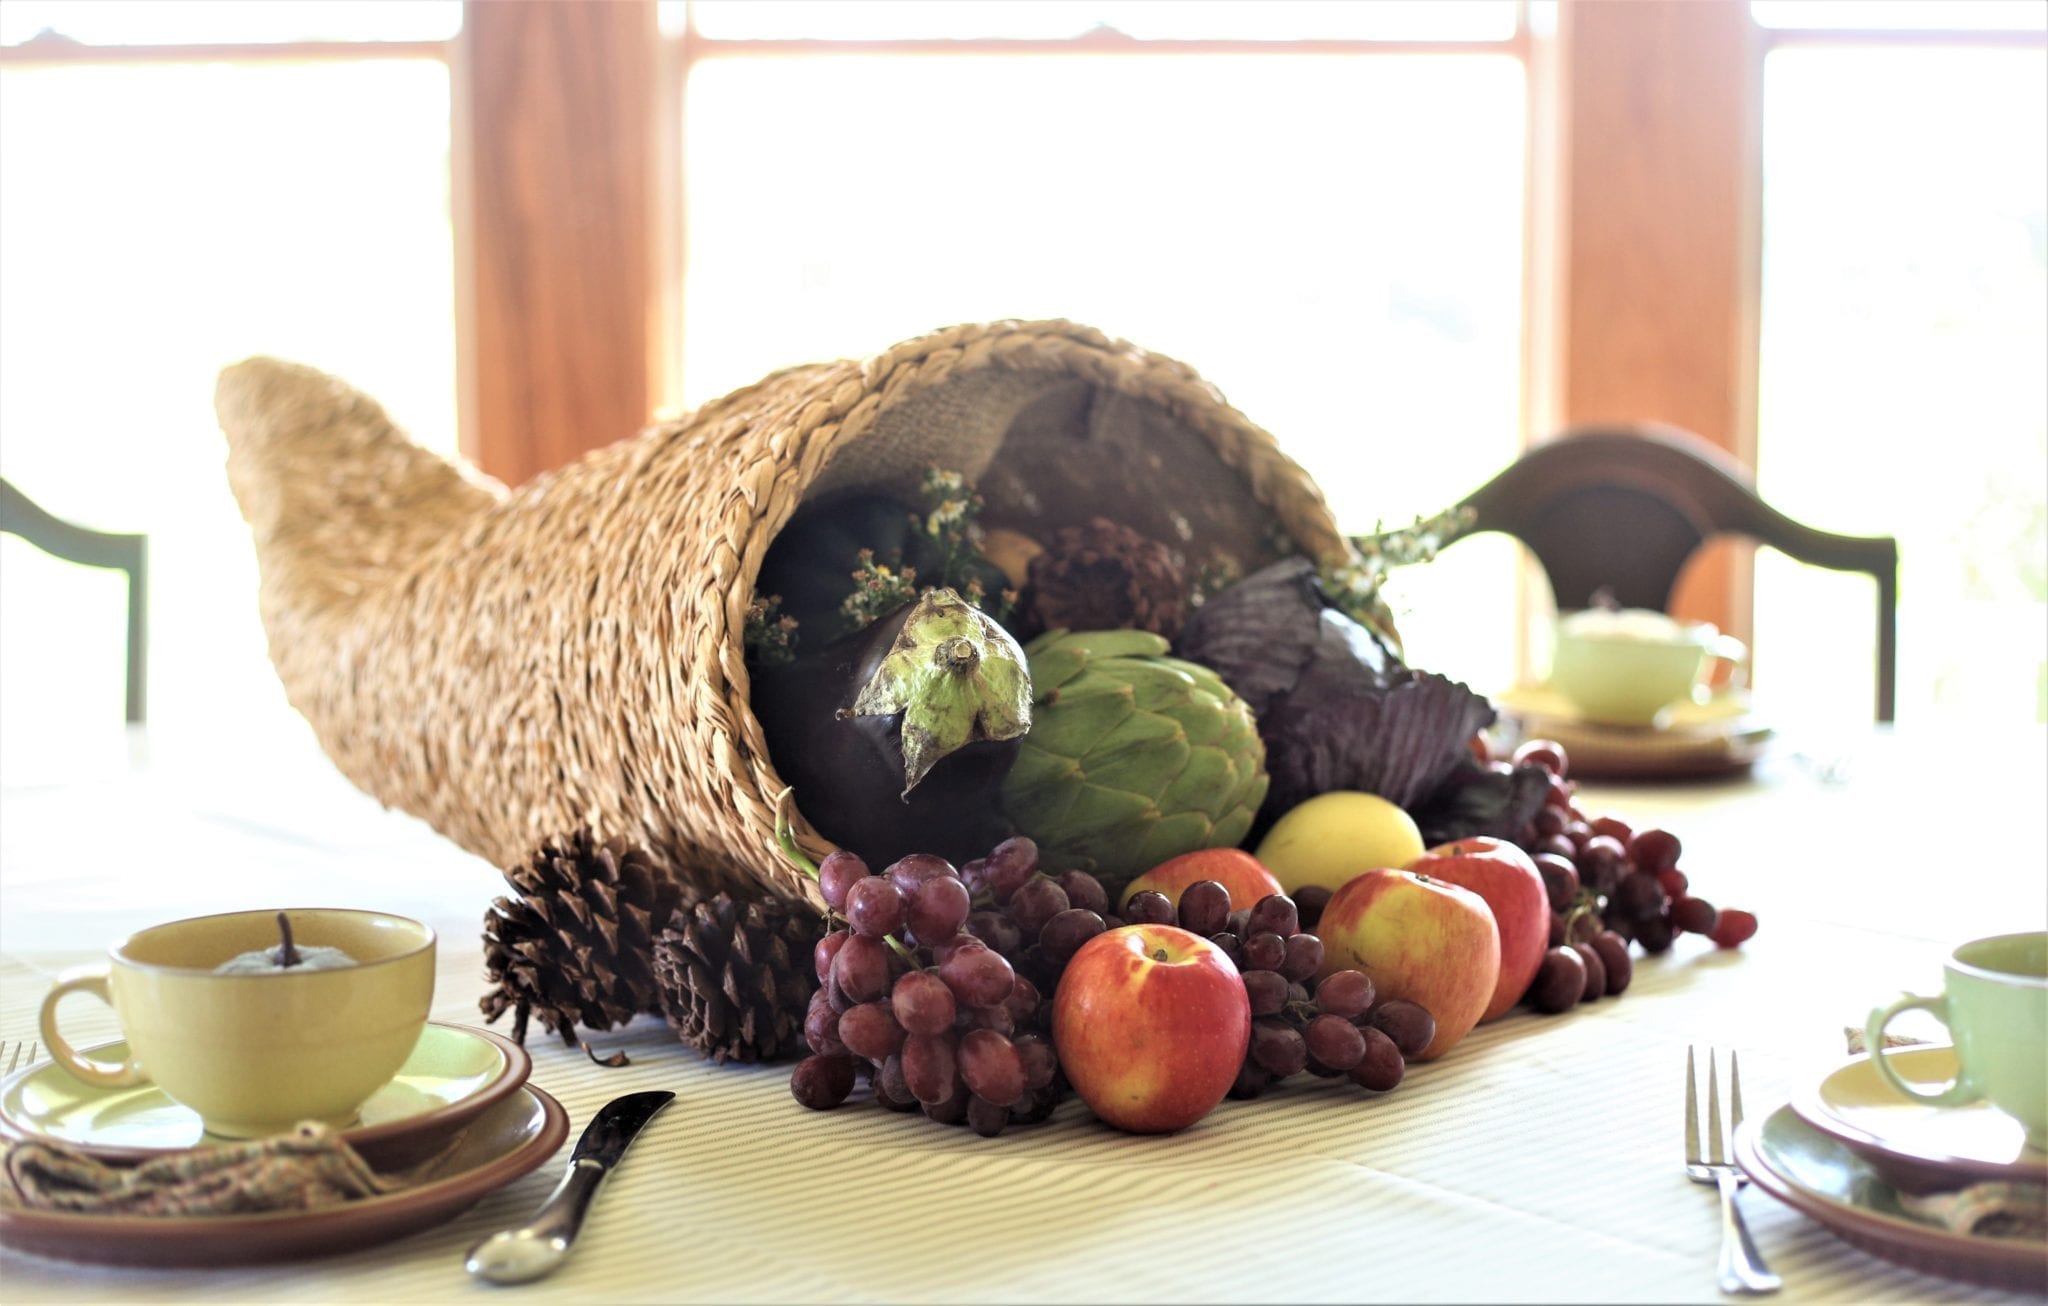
column 1995, row 1004
column 256, row 1054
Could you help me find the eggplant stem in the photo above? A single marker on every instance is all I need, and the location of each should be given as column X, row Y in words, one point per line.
column 785, row 839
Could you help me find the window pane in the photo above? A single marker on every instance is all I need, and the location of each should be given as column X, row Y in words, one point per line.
column 155, row 22
column 157, row 223
column 1930, row 15
column 1905, row 371
column 1245, row 20
column 1354, row 289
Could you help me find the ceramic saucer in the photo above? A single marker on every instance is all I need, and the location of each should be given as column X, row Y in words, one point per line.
column 510, row 1139
column 1918, row 1147
column 1721, row 736
column 453, row 1074
column 1816, row 1174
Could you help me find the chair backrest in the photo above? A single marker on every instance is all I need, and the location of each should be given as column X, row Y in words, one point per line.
column 21, row 515
column 1622, row 508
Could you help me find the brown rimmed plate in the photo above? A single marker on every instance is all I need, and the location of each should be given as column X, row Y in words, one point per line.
column 1691, row 740
column 508, row 1141
column 454, row 1074
column 1818, row 1175
column 1919, row 1148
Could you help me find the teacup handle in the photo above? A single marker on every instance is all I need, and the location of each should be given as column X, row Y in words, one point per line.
column 100, row 1074
column 1724, row 670
column 1956, row 1094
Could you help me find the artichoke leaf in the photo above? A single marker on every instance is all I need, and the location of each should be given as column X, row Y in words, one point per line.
column 955, row 677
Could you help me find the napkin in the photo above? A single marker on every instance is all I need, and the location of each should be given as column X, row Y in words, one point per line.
column 310, row 1167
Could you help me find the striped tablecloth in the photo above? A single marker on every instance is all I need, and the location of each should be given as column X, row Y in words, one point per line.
column 1539, row 1161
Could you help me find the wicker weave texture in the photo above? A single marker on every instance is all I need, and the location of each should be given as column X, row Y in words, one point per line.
column 510, row 667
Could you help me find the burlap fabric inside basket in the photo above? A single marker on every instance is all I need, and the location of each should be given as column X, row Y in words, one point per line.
column 510, row 667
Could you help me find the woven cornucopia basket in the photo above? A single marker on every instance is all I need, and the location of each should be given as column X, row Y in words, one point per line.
column 510, row 667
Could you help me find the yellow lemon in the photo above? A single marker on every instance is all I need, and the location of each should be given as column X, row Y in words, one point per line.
column 1338, row 835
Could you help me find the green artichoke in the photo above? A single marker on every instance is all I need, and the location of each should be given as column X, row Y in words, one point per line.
column 1133, row 757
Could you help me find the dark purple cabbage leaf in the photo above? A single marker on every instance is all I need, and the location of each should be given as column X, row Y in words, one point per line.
column 1338, row 710
column 1477, row 800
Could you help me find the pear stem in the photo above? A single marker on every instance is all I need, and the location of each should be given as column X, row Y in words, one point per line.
column 287, row 955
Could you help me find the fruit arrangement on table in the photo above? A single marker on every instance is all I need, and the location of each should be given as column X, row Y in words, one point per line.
column 1224, row 840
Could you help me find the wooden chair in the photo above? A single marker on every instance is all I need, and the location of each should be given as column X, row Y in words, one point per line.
column 1622, row 509
column 19, row 515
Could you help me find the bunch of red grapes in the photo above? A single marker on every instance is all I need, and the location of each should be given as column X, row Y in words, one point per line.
column 1330, row 1028
column 945, row 1007
column 1609, row 885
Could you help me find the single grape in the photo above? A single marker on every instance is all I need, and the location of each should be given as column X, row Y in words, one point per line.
column 1309, row 901
column 1304, row 957
column 1603, row 860
column 922, row 1003
column 941, row 951
column 1334, row 1042
column 1654, row 850
column 1297, row 993
column 1557, row 928
column 1346, row 993
column 1675, row 881
column 1409, row 1024
column 974, row 875
column 912, row 873
column 985, row 1117
column 1560, row 793
column 1036, row 1106
column 839, row 872
column 996, row 1018
column 1560, row 879
column 1275, row 913
column 862, row 966
column 1694, row 915
column 1614, row 828
column 828, row 948
column 1023, row 1002
column 990, row 1067
column 1236, row 922
column 951, row 1111
column 1112, row 922
column 1580, row 835
column 1232, row 947
column 1064, row 934
column 1149, row 908
column 1546, row 753
column 938, row 909
column 1204, row 907
column 1558, row 845
column 977, row 976
column 1560, row 981
column 1084, row 891
column 929, row 1066
column 1613, row 950
column 1596, row 971
column 1381, row 1067
column 874, row 907
column 1264, row 951
column 1549, row 821
column 870, row 1030
column 891, row 1089
column 1655, row 934
column 1251, row 1081
column 1010, row 864
column 997, row 930
column 1035, row 902
column 1733, row 928
column 822, row 1082
column 1040, row 1063
column 821, row 1027
column 1267, row 992
column 835, row 995
column 1641, row 897
column 1278, row 1047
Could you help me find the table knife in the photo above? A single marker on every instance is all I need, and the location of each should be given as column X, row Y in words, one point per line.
column 542, row 1243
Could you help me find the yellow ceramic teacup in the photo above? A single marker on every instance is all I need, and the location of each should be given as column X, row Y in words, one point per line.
column 1626, row 667
column 255, row 1054
column 1995, row 1003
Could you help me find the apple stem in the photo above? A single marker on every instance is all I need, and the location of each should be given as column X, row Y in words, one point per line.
column 1159, row 955
column 287, row 955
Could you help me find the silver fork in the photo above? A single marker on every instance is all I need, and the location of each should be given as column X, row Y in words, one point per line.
column 1740, row 1269
column 16, row 1056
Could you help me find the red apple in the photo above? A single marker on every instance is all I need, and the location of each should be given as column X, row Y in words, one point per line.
column 1235, row 869
column 1151, row 1023
column 1419, row 938
column 1513, row 887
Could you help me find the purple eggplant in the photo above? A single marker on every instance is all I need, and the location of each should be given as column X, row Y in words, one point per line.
column 897, row 738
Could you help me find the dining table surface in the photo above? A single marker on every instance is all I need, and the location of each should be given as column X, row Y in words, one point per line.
column 1539, row 1160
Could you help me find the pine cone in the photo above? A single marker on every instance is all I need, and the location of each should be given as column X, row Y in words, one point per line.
column 1103, row 576
column 576, row 945
column 736, row 980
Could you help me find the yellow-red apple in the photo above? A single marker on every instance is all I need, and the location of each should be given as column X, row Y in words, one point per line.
column 1151, row 1023
column 1419, row 938
column 1507, row 878
column 1236, row 870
